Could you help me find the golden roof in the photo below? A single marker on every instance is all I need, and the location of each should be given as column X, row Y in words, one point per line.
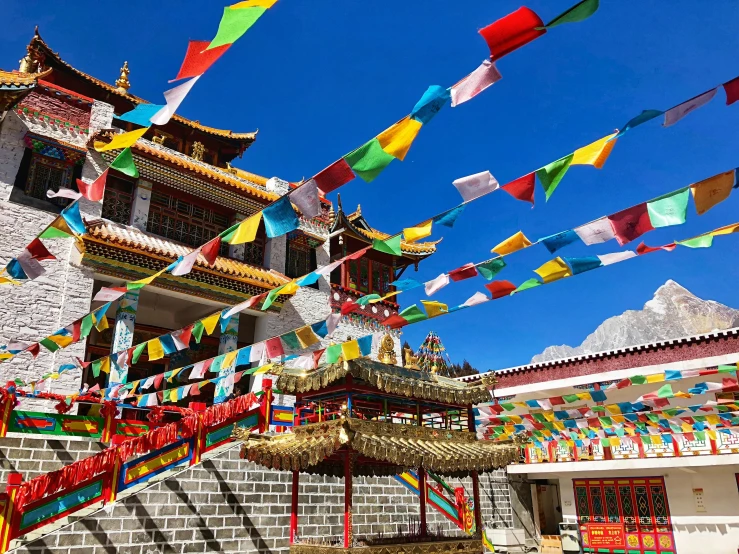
column 388, row 378
column 413, row 248
column 18, row 79
column 438, row 450
column 130, row 238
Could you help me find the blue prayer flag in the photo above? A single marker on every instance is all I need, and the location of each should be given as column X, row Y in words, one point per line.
column 365, row 345
column 643, row 117
column 168, row 344
column 320, row 329
column 431, row 103
column 224, row 320
column 598, row 395
column 672, row 375
column 406, row 284
column 581, row 265
column 559, row 240
column 242, row 358
column 15, row 270
column 279, row 218
column 449, row 217
column 141, row 114
column 71, row 215
column 310, row 279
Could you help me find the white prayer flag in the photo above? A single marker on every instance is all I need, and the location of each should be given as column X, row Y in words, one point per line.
column 477, row 81
column 243, row 306
column 31, row 267
column 597, row 232
column 305, row 197
column 609, row 259
column 178, row 342
column 475, row 299
column 257, row 352
column 186, row 263
column 673, row 115
column 332, row 322
column 198, row 371
column 437, row 284
column 174, row 98
column 63, row 193
column 302, row 362
column 474, row 186
column 327, row 269
column 106, row 294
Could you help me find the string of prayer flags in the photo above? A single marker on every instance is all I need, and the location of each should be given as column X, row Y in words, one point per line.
column 491, row 268
column 475, row 186
column 673, row 115
column 559, row 240
column 553, row 270
column 467, row 271
column 369, row 160
column 480, row 79
column 579, row 12
column 499, row 289
column 512, row 32
column 596, row 232
column 522, row 188
column 670, row 209
column 389, row 246
column 121, row 140
column 235, row 22
column 595, row 154
column 305, row 197
column 431, row 103
column 173, row 98
column 512, row 244
column 397, row 140
column 198, row 59
column 712, row 191
column 125, row 164
column 433, row 308
column 551, row 174
column 435, row 285
column 73, row 219
column 412, row 234
column 631, row 223
column 93, row 191
column 646, row 115
column 334, row 176
column 449, row 217
column 581, row 265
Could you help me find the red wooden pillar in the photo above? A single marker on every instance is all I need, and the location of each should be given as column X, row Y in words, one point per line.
column 347, row 499
column 294, row 507
column 476, row 498
column 10, row 519
column 422, row 491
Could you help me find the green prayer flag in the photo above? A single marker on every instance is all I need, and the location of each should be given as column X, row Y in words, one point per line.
column 619, row 431
column 369, row 160
column 272, row 296
column 333, row 353
column 601, row 409
column 491, row 268
column 638, row 379
column 653, row 417
column 124, row 163
column 228, row 234
column 49, row 344
column 570, row 398
column 197, row 331
column 646, row 439
column 540, row 418
column 605, row 421
column 703, row 241
column 529, row 284
column 52, row 232
column 665, row 391
column 727, row 368
column 389, row 246
column 135, row 286
column 605, row 442
column 669, row 209
column 550, row 175
column 364, row 300
column 413, row 314
column 578, row 12
column 507, row 406
column 700, row 435
column 291, row 341
column 86, row 326
column 96, row 368
column 215, row 367
column 137, row 353
column 234, row 23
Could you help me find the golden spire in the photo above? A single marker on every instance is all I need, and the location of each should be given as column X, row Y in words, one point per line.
column 122, row 83
column 359, row 210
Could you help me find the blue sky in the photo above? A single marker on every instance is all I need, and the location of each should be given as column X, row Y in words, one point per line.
column 320, row 78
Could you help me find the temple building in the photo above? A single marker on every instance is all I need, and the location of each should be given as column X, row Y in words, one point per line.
column 186, row 193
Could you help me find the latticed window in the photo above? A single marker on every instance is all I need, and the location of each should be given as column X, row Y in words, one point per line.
column 359, row 272
column 48, row 174
column 301, row 255
column 118, row 200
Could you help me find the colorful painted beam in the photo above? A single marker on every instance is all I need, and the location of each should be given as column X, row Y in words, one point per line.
column 56, row 424
column 434, row 497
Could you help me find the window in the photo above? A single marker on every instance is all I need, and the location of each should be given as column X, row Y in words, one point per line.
column 48, row 174
column 118, row 200
column 301, row 255
column 359, row 280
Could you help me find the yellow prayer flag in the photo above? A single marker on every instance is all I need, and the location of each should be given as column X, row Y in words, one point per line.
column 615, row 441
column 350, row 350
column 134, row 285
column 247, row 230
column 263, row 369
column 631, row 432
column 397, row 139
column 595, row 154
column 512, row 244
column 123, row 140
column 559, row 425
column 613, row 408
column 105, row 364
column 656, row 378
column 412, row 234
column 229, row 359
column 618, row 419
column 291, row 288
column 156, row 352
column 520, row 404
column 267, row 4
column 681, row 394
column 713, row 419
column 434, row 309
column 712, row 191
column 307, row 337
column 686, row 427
column 726, row 230
column 584, row 396
column 62, row 340
column 101, row 324
column 210, row 322
column 388, row 295
column 711, row 434
column 656, row 439
column 172, row 375
column 549, row 416
column 553, row 270
column 516, row 418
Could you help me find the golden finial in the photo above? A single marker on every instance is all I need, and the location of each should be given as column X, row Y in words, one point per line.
column 197, row 151
column 122, row 84
column 359, row 210
column 33, row 61
column 386, row 353
column 411, row 361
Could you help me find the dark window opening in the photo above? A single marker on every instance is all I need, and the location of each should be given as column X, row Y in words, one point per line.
column 118, row 200
column 301, row 256
column 38, row 174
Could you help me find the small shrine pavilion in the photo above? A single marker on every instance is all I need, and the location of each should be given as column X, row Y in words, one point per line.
column 368, row 418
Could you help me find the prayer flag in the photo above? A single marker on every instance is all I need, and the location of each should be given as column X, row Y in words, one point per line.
column 430, row 103
column 434, row 309
column 512, row 244
column 184, row 265
column 350, row 350
column 412, row 234
column 474, row 186
column 210, row 250
column 198, row 60
column 528, row 284
column 182, row 337
column 337, row 174
column 595, row 154
column 491, row 268
column 141, row 283
column 174, row 98
column 596, row 232
column 726, row 230
column 522, row 188
column 247, row 230
column 37, row 251
column 467, row 271
column 644, row 249
column 155, row 349
column 475, row 299
column 389, row 246
column 435, row 285
column 512, row 31
column 712, row 191
column 365, row 345
column 291, row 340
column 367, row 298
column 702, row 241
column 93, row 191
column 643, row 117
column 579, row 12
column 369, row 160
column 669, row 209
column 609, row 259
column 72, row 217
column 57, row 229
column 333, row 353
column 168, row 345
column 280, row 218
column 581, row 265
column 553, row 270
column 412, row 314
column 307, row 337
column 631, row 223
column 274, row 348
column 137, row 353
column 258, row 351
column 732, row 91
column 476, row 82
column 121, row 140
column 141, row 114
column 305, row 197
column 125, row 164
column 210, row 322
column 397, row 140
column 406, row 284
column 673, row 115
column 551, row 174
column 449, row 217
column 560, row 240
column 234, row 23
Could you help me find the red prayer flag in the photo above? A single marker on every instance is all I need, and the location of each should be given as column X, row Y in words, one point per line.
column 210, row 250
column 186, row 334
column 661, row 402
column 348, row 307
column 467, row 271
column 198, row 59
column 732, row 91
column 499, row 289
column 158, row 380
column 395, row 322
column 274, row 348
column 512, row 31
column 644, row 249
column 38, row 251
column 337, row 174
column 358, row 254
column 631, row 223
column 207, row 364
column 317, row 356
column 557, row 401
column 623, row 383
column 522, row 188
column 689, row 436
column 497, row 408
column 729, row 385
column 33, row 349
column 93, row 191
column 76, row 330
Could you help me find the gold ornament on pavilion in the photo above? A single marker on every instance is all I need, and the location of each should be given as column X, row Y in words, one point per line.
column 122, row 83
column 386, row 353
column 411, row 361
column 198, row 151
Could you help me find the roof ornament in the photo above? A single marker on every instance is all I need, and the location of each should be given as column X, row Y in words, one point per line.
column 123, row 84
column 386, row 353
column 359, row 210
column 33, row 61
column 198, row 150
column 411, row 361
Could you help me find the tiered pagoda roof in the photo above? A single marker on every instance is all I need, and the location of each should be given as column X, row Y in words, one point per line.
column 14, row 86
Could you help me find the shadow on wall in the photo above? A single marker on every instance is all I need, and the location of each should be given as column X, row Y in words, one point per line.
column 722, row 528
